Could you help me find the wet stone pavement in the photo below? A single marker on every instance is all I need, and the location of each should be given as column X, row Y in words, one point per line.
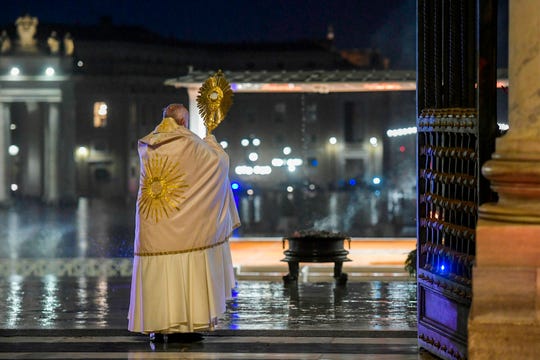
column 85, row 317
column 52, row 302
column 51, row 307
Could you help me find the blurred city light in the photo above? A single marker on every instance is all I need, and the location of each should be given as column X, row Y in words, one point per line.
column 332, row 140
column 256, row 142
column 262, row 170
column 49, row 71
column 224, row 144
column 244, row 142
column 290, row 189
column 14, row 187
column 12, row 127
column 243, row 170
column 294, row 162
column 102, row 109
column 286, row 150
column 253, row 156
column 412, row 130
column 250, row 192
column 376, row 180
column 13, row 150
column 278, row 162
column 401, row 132
column 82, row 152
column 373, row 141
column 235, row 186
column 255, row 170
column 14, row 71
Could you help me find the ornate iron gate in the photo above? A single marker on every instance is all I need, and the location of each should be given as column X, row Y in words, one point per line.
column 456, row 129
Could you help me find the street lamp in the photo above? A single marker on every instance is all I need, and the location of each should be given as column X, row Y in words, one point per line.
column 13, row 150
column 15, row 71
column 81, row 156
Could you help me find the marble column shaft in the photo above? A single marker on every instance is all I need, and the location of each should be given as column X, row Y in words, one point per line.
column 514, row 170
column 51, row 180
column 4, row 160
column 504, row 321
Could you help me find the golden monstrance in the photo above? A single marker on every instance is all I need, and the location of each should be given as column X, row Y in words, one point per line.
column 214, row 100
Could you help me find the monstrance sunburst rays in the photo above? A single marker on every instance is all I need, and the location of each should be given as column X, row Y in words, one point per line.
column 214, row 100
column 162, row 188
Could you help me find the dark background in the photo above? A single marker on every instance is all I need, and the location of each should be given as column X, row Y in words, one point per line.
column 387, row 25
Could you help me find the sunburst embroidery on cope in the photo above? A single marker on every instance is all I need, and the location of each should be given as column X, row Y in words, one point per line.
column 162, row 188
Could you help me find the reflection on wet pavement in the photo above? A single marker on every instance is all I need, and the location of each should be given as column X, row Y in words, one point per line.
column 92, row 228
column 363, row 305
column 52, row 302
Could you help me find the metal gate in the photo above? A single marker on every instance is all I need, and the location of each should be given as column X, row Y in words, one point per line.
column 456, row 122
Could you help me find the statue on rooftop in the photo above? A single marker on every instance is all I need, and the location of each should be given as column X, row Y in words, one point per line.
column 26, row 28
column 69, row 46
column 5, row 42
column 53, row 43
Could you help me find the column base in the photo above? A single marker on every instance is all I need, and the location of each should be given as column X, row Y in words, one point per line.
column 503, row 340
column 526, row 213
column 504, row 320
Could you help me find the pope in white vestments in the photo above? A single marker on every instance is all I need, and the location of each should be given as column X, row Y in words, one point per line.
column 182, row 268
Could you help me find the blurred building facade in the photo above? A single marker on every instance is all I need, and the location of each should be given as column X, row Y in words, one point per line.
column 75, row 100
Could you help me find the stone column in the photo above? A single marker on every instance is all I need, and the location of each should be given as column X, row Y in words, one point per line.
column 196, row 123
column 504, row 321
column 132, row 162
column 4, row 160
column 50, row 181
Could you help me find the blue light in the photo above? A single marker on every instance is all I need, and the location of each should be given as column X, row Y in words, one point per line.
column 235, row 186
column 352, row 182
column 442, row 267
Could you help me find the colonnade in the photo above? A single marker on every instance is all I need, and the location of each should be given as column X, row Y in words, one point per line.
column 44, row 163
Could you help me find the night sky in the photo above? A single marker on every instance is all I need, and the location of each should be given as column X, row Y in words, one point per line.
column 387, row 25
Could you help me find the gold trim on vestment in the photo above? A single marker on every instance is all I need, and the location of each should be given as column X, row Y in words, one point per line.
column 168, row 124
column 182, row 251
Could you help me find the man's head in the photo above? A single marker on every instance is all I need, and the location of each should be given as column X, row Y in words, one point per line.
column 178, row 112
